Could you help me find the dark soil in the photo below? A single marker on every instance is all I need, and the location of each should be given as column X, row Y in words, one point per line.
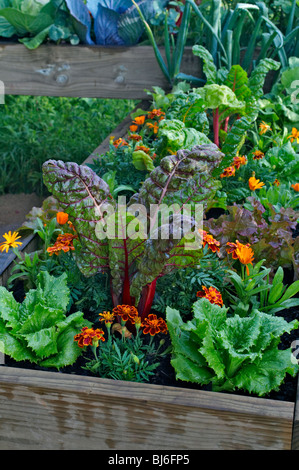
column 165, row 374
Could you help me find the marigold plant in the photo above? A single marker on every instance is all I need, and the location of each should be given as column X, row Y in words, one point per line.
column 212, row 294
column 294, row 135
column 153, row 325
column 89, row 337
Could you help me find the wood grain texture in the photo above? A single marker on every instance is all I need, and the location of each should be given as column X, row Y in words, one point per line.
column 85, row 71
column 46, row 410
column 295, row 441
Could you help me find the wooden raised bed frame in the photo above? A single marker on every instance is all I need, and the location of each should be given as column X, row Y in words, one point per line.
column 42, row 410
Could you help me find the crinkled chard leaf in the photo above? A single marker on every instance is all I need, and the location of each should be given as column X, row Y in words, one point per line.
column 85, row 197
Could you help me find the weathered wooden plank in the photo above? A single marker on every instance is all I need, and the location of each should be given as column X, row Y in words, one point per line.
column 295, row 441
column 85, row 71
column 46, row 410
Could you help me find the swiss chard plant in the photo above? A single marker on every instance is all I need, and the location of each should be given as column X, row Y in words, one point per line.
column 38, row 329
column 136, row 261
column 230, row 352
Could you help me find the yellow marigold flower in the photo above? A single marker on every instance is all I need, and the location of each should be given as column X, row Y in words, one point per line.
column 10, row 241
column 258, row 155
column 212, row 294
column 62, row 218
column 255, row 184
column 229, row 171
column 107, row 317
column 294, row 135
column 295, row 186
column 264, row 128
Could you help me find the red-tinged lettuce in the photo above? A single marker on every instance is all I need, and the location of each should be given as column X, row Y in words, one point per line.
column 136, row 262
column 271, row 240
column 230, row 352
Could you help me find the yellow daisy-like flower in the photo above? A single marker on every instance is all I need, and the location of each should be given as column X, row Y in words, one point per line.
column 294, row 135
column 264, row 128
column 10, row 241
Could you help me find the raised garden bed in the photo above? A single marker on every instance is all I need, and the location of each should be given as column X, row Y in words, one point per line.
column 53, row 410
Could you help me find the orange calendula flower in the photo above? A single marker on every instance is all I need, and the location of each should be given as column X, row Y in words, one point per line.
column 276, row 182
column 212, row 294
column 155, row 113
column 294, row 135
column 295, row 186
column 154, row 126
column 133, row 128
column 208, row 239
column 255, row 184
column 229, row 171
column 89, row 337
column 258, row 155
column 10, row 241
column 243, row 253
column 62, row 218
column 107, row 317
column 154, row 325
column 264, row 128
column 126, row 312
column 139, row 120
column 239, row 161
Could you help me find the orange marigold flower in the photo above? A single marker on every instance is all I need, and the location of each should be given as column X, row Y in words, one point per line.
column 119, row 143
column 258, row 155
column 10, row 241
column 255, row 184
column 64, row 243
column 154, row 126
column 155, row 113
column 126, row 312
column 232, row 248
column 133, row 128
column 239, row 161
column 229, row 171
column 276, row 182
column 264, row 128
column 62, row 218
column 294, row 135
column 295, row 186
column 89, row 337
column 143, row 148
column 209, row 240
column 107, row 317
column 153, row 325
column 135, row 137
column 212, row 294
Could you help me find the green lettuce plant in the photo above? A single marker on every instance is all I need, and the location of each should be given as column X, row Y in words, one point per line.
column 38, row 329
column 135, row 263
column 230, row 352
